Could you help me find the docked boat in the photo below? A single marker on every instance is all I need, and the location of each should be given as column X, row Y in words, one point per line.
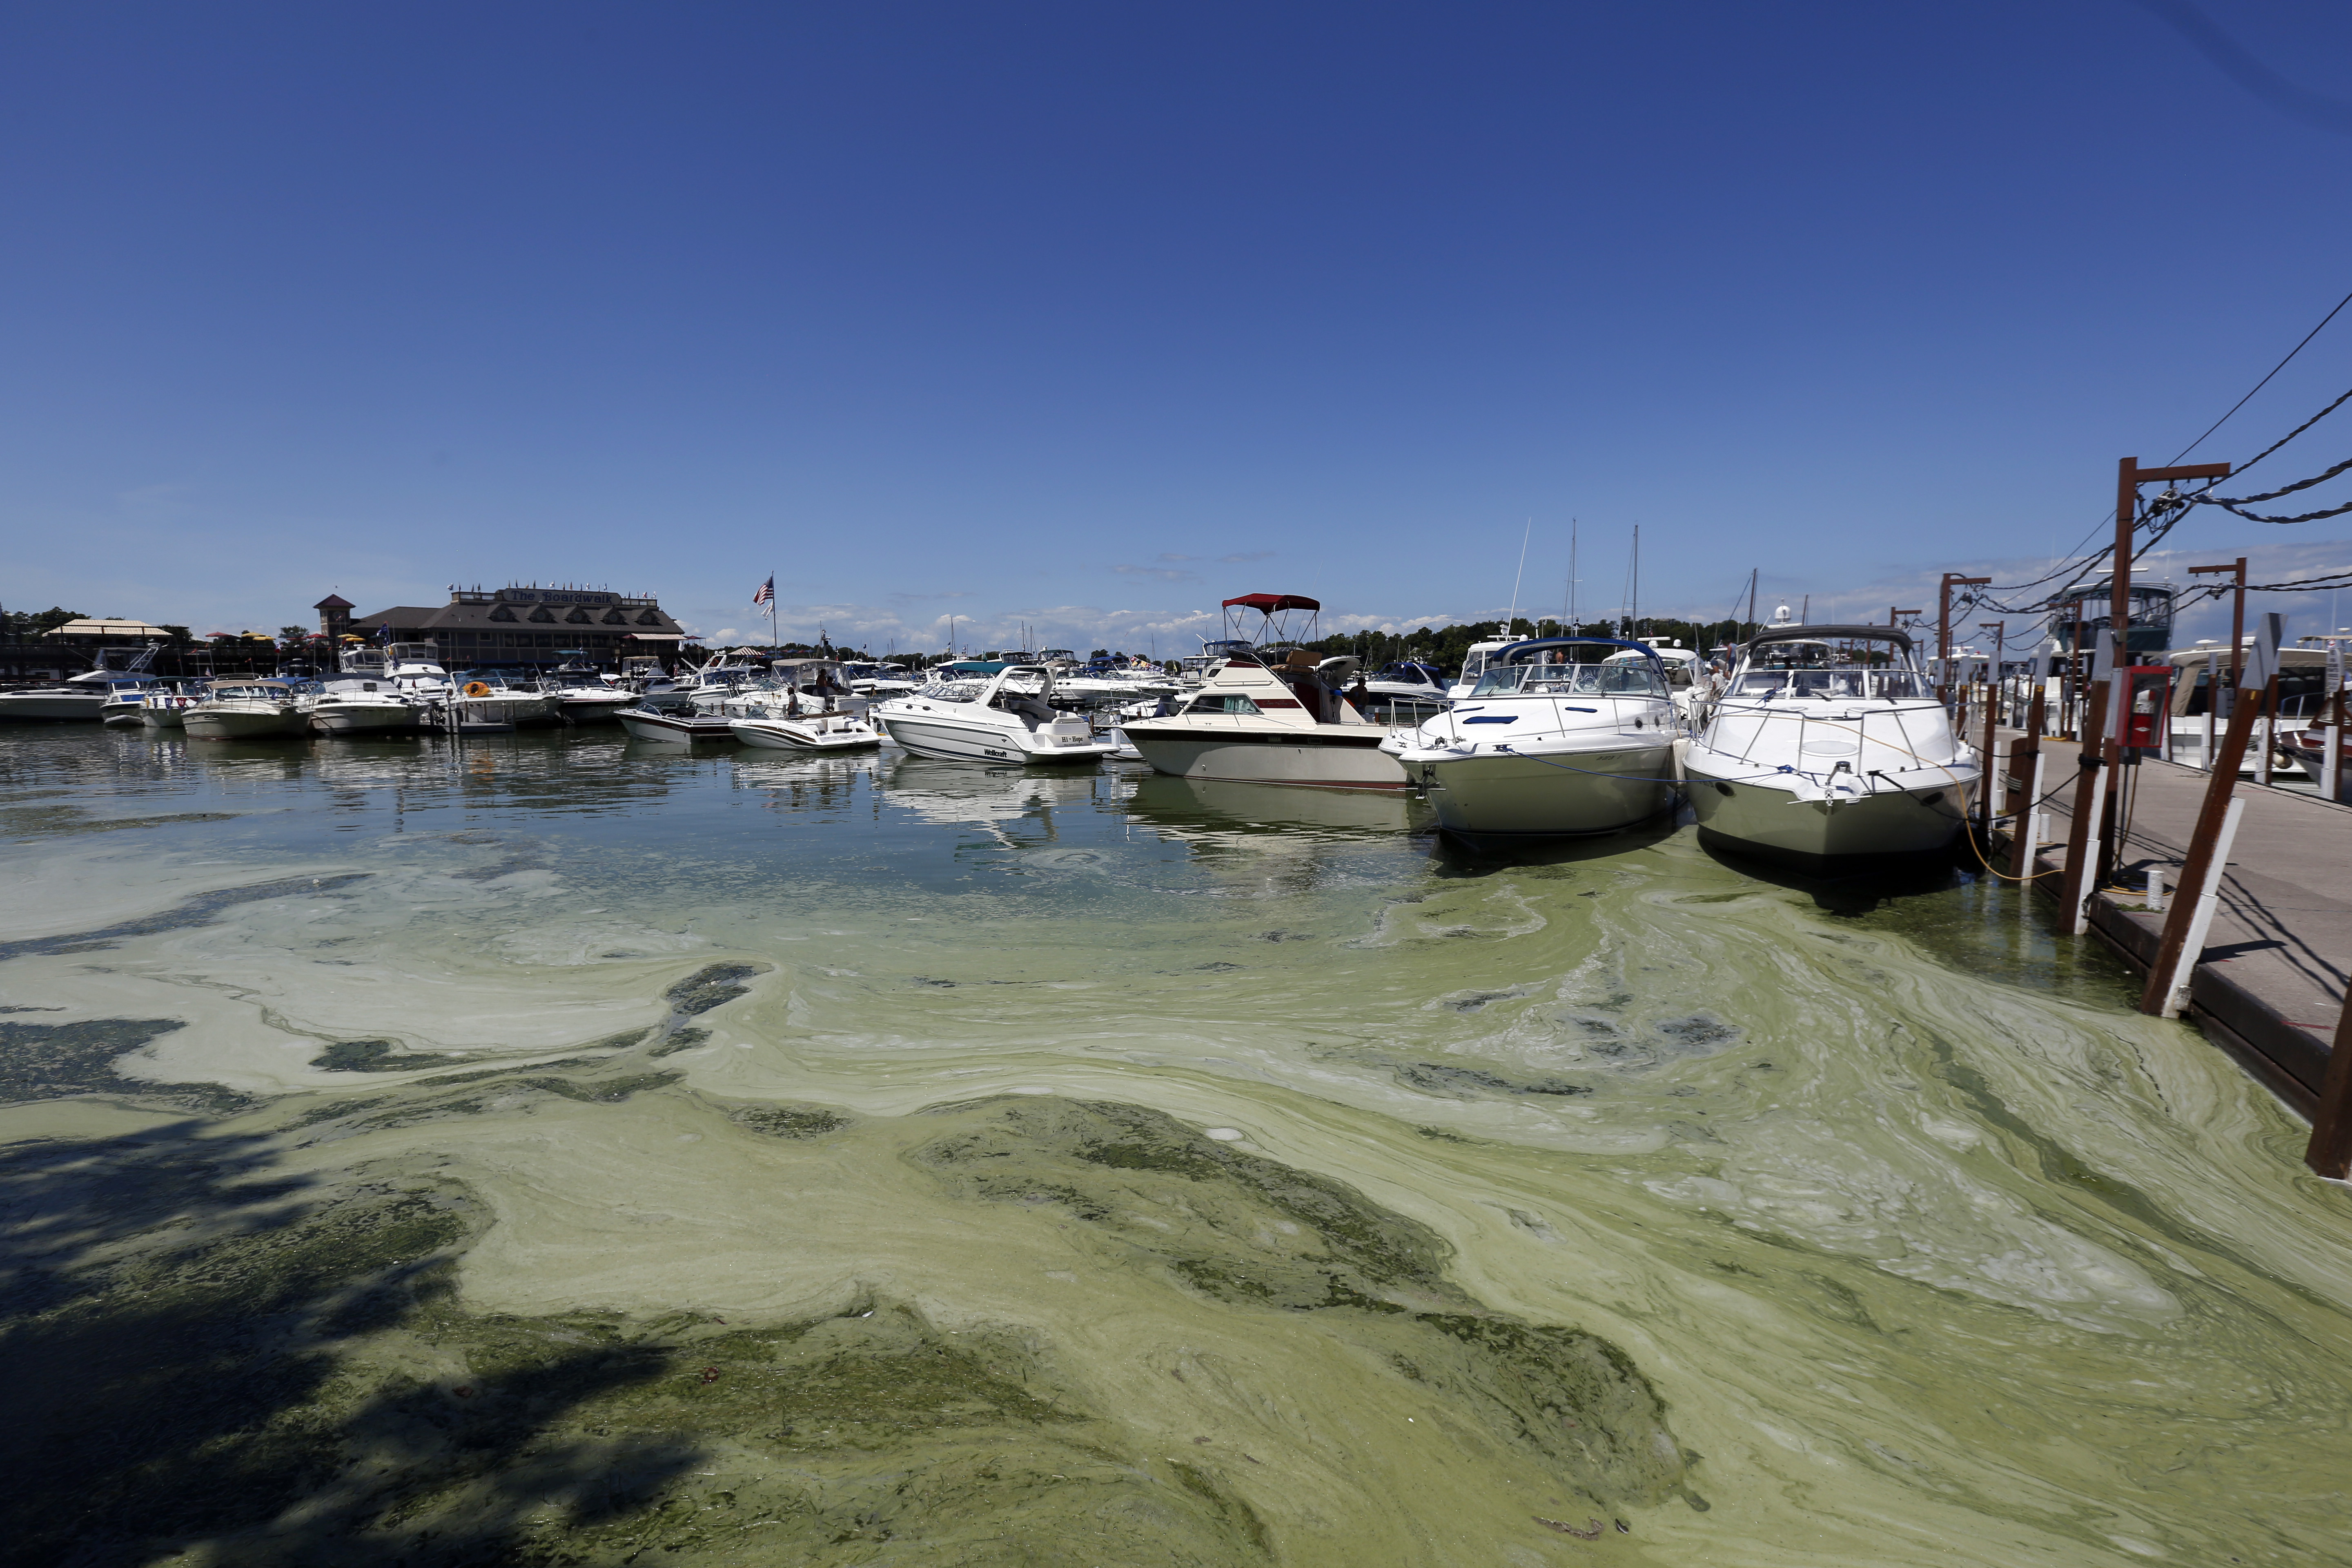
column 1474, row 665
column 1270, row 711
column 783, row 730
column 125, row 700
column 360, row 698
column 1407, row 680
column 583, row 695
column 674, row 728
column 1006, row 716
column 165, row 708
column 489, row 696
column 1546, row 746
column 245, row 709
column 80, row 698
column 415, row 671
column 1827, row 746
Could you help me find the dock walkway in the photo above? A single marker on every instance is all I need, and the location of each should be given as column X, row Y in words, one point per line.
column 2270, row 984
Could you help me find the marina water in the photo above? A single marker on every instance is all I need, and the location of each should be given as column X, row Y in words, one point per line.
column 552, row 1148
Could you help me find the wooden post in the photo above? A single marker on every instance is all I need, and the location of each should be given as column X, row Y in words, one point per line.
column 2330, row 1151
column 2090, row 802
column 1993, row 720
column 2197, row 870
column 2025, row 806
column 2331, row 767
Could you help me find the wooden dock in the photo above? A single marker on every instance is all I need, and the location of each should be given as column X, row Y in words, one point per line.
column 2269, row 987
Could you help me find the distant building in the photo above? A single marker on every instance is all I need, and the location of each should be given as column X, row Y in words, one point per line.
column 334, row 616
column 526, row 626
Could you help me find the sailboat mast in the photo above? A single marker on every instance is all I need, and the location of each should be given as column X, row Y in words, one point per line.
column 1637, row 582
column 1751, row 596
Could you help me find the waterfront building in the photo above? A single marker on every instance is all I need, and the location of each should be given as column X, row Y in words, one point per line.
column 522, row 625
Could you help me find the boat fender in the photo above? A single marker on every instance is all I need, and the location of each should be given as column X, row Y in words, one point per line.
column 475, row 689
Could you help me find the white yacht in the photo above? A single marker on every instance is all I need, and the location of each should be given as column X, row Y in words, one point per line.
column 1547, row 747
column 1827, row 744
column 582, row 694
column 125, row 701
column 163, row 709
column 415, row 671
column 1474, row 665
column 674, row 726
column 1006, row 716
column 490, row 697
column 361, row 697
column 80, row 696
column 1686, row 675
column 242, row 710
column 1269, row 712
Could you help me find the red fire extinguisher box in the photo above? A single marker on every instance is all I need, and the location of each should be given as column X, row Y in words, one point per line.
column 2148, row 707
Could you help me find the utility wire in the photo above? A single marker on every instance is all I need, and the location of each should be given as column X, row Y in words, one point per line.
column 2259, row 385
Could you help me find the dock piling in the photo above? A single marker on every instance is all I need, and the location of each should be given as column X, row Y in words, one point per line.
column 2200, row 872
column 2086, row 828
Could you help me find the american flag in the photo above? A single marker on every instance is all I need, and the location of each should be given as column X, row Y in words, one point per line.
column 766, row 594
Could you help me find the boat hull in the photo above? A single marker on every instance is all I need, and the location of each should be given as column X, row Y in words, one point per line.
column 950, row 738
column 1757, row 818
column 673, row 729
column 782, row 734
column 163, row 718
column 595, row 709
column 51, row 706
column 354, row 720
column 241, row 723
column 1336, row 756
column 1555, row 796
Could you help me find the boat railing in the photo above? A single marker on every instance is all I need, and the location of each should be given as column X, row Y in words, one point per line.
column 1854, row 727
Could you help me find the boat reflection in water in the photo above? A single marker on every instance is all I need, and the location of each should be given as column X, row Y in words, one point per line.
column 946, row 792
column 1225, row 806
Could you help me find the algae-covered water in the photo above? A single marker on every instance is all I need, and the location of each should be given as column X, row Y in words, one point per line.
column 556, row 1149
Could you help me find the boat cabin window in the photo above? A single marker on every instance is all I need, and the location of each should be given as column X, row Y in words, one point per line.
column 1570, row 680
column 1226, row 702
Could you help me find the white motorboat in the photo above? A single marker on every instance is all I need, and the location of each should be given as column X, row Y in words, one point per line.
column 1007, row 717
column 360, row 698
column 125, row 701
column 245, row 709
column 1827, row 746
column 1686, row 678
column 583, row 696
column 415, row 671
column 808, row 732
column 671, row 727
column 1407, row 680
column 1270, row 712
column 489, row 696
column 1474, row 665
column 1546, row 747
column 166, row 709
column 82, row 697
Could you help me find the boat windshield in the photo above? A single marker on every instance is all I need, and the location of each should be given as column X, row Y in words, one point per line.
column 1828, row 683
column 953, row 691
column 1570, row 680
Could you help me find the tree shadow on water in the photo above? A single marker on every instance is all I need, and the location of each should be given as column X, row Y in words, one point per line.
column 206, row 1358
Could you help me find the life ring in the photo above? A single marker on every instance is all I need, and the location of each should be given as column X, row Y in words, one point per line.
column 475, row 689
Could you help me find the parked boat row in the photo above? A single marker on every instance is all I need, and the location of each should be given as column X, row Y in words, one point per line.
column 1824, row 743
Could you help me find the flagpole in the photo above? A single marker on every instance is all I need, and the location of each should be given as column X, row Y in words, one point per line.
column 772, row 635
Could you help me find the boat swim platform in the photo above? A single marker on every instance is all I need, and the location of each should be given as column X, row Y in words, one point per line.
column 2269, row 987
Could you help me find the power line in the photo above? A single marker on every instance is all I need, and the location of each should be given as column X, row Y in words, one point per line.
column 2259, row 385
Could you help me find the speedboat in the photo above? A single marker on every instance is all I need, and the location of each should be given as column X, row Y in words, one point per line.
column 245, row 709
column 1827, row 745
column 361, row 697
column 1407, row 679
column 125, row 700
column 1270, row 711
column 1686, row 675
column 583, row 695
column 672, row 727
column 163, row 709
column 1007, row 717
column 488, row 696
column 1547, row 747
column 806, row 731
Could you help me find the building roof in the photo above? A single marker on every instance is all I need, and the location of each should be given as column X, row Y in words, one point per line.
column 99, row 626
column 332, row 602
column 488, row 615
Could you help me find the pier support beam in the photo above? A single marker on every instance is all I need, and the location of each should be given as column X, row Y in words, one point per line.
column 2330, row 1151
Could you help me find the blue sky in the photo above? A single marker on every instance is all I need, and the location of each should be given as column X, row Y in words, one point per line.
column 1090, row 315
